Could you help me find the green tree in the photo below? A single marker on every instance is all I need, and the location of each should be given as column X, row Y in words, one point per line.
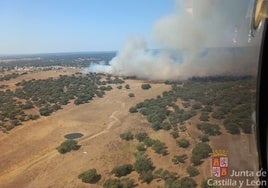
column 131, row 95
column 145, row 86
column 199, row 152
column 165, row 174
column 196, row 106
column 188, row 182
column 183, row 128
column 208, row 128
column 122, row 170
column 112, row 183
column 127, row 136
column 183, row 143
column 90, row 176
column 127, row 183
column 148, row 142
column 202, row 149
column 133, row 110
column 203, row 137
column 204, row 116
column 179, row 159
column 165, row 126
column 159, row 147
column 175, row 134
column 196, row 160
column 192, row 171
column 67, row 146
column 141, row 146
column 141, row 136
column 147, row 176
column 143, row 164
column 119, row 183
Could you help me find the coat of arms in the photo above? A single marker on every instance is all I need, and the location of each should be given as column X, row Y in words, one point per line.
column 219, row 163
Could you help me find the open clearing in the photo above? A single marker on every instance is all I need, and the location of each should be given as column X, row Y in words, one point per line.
column 29, row 157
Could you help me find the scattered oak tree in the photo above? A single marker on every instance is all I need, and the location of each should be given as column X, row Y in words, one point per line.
column 68, row 145
column 90, row 176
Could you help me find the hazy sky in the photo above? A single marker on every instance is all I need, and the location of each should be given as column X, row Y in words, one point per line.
column 35, row 26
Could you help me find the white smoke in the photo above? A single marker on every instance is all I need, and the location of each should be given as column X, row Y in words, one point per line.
column 135, row 60
column 212, row 34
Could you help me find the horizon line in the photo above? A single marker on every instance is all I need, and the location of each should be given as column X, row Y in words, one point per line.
column 51, row 53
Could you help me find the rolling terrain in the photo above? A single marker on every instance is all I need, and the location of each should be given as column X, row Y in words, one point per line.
column 29, row 157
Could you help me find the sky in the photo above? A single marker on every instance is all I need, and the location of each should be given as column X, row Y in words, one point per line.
column 49, row 26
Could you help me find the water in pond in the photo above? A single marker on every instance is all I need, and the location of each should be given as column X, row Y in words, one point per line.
column 73, row 135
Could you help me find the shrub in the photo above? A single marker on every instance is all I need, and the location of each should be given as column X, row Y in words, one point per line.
column 231, row 127
column 141, row 136
column 127, row 183
column 156, row 125
column 148, row 142
column 127, row 86
column 200, row 151
column 143, row 164
column 186, row 104
column 133, row 110
column 204, row 116
column 192, row 171
column 203, row 138
column 165, row 174
column 207, row 109
column 45, row 111
column 188, row 182
column 131, row 95
column 147, row 176
column 115, row 183
column 123, row 170
column 196, row 160
column 119, row 183
column 139, row 154
column 126, row 136
column 68, row 145
column 183, row 143
column 145, row 86
column 90, row 176
column 208, row 128
column 196, row 106
column 141, row 147
column 183, row 128
column 218, row 114
column 175, row 134
column 165, row 126
column 179, row 159
column 159, row 147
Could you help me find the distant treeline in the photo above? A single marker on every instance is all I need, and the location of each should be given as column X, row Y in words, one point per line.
column 60, row 59
column 9, row 76
column 220, row 78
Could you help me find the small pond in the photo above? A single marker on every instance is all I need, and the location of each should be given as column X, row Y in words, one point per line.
column 73, row 135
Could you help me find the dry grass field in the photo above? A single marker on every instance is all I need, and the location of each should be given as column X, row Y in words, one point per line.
column 29, row 157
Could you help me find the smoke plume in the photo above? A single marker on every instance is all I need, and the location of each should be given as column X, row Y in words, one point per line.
column 208, row 37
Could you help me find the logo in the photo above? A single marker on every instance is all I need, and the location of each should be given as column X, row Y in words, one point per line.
column 219, row 163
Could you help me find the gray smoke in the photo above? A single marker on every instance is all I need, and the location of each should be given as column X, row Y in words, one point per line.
column 212, row 37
